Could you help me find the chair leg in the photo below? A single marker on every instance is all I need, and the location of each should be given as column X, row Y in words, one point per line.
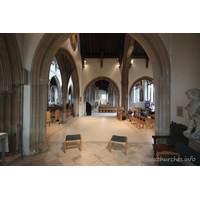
column 126, row 147
column 110, row 146
column 81, row 144
column 65, row 147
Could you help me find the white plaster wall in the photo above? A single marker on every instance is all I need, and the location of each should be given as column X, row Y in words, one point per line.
column 31, row 40
column 185, row 71
column 93, row 70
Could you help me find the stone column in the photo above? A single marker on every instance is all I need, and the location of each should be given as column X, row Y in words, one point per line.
column 158, row 106
column 2, row 111
column 64, row 118
column 90, row 97
column 76, row 106
column 111, row 96
column 43, row 109
column 8, row 113
column 125, row 95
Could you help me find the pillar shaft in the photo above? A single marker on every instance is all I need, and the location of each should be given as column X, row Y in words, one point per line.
column 43, row 110
column 125, row 95
column 158, row 106
column 2, row 111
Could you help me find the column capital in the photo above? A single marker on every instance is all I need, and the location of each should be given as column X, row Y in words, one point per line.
column 157, row 82
column 44, row 81
column 2, row 93
column 9, row 94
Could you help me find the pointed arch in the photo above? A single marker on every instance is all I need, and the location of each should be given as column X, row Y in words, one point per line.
column 46, row 50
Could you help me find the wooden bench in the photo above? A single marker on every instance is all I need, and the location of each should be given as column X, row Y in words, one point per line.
column 107, row 110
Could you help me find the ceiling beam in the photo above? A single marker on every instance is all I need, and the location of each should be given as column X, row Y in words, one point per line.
column 101, row 54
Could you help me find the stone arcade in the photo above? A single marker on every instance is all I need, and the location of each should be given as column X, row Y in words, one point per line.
column 171, row 65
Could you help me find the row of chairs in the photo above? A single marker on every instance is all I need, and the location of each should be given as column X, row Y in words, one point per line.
column 139, row 120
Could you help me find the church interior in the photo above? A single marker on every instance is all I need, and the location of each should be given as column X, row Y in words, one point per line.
column 54, row 85
column 99, row 101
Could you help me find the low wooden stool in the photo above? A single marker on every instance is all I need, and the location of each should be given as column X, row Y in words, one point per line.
column 119, row 140
column 73, row 138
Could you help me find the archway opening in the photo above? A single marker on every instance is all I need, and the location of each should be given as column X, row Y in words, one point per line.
column 142, row 93
column 102, row 97
column 45, row 52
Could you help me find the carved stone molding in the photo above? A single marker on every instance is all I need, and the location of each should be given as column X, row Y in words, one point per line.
column 2, row 94
column 44, row 81
column 157, row 82
column 9, row 94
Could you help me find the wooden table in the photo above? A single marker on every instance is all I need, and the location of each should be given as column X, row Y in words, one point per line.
column 3, row 136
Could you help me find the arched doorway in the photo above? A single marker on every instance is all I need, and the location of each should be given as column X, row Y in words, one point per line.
column 45, row 51
column 102, row 78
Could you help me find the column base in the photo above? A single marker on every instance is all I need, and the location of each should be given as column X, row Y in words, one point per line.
column 36, row 149
column 44, row 147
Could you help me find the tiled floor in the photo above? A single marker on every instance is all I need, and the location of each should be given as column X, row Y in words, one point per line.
column 96, row 133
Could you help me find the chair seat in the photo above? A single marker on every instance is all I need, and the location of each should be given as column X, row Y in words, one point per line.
column 52, row 116
column 73, row 137
column 118, row 138
column 163, row 147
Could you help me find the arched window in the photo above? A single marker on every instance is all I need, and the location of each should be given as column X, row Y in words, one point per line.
column 52, row 95
column 150, row 91
column 143, row 91
column 137, row 93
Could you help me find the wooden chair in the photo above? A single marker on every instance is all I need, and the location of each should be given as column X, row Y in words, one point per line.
column 151, row 122
column 134, row 119
column 142, row 121
column 187, row 156
column 48, row 117
column 119, row 140
column 57, row 115
column 73, row 138
column 176, row 135
column 53, row 115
